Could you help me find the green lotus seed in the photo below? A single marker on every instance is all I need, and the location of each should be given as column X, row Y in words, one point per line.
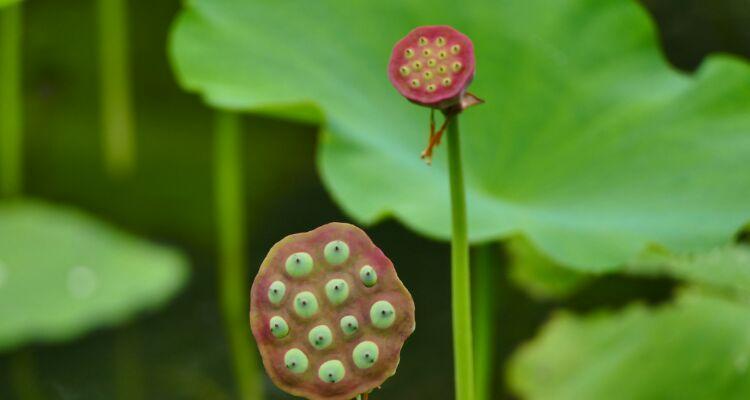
column 336, row 252
column 365, row 355
column 368, row 275
column 349, row 325
column 332, row 371
column 320, row 337
column 382, row 314
column 299, row 264
column 337, row 291
column 276, row 292
column 305, row 304
column 296, row 361
column 279, row 327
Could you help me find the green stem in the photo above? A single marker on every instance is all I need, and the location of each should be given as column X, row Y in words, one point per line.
column 128, row 365
column 117, row 113
column 460, row 274
column 485, row 277
column 23, row 376
column 119, row 154
column 230, row 215
column 11, row 139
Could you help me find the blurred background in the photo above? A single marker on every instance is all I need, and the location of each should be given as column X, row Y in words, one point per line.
column 178, row 348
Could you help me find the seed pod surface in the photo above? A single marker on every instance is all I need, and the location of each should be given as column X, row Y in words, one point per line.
column 432, row 66
column 329, row 313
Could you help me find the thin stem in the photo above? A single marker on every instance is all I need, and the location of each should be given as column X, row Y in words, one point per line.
column 117, row 114
column 230, row 215
column 23, row 376
column 460, row 274
column 128, row 364
column 11, row 135
column 485, row 274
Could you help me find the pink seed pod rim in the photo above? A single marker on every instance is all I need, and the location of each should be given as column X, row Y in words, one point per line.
column 443, row 96
column 389, row 287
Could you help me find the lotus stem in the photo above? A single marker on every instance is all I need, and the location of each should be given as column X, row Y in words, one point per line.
column 230, row 217
column 485, row 273
column 460, row 274
column 11, row 135
column 23, row 376
column 117, row 110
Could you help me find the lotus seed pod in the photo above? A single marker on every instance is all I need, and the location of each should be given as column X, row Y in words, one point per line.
column 432, row 66
column 329, row 313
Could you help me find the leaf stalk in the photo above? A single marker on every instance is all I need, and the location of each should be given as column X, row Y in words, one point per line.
column 230, row 217
column 117, row 109
column 11, row 121
column 460, row 273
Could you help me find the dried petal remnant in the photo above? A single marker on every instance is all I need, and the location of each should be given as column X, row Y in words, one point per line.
column 433, row 50
column 330, row 327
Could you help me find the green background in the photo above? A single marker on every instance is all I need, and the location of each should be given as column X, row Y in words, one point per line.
column 180, row 351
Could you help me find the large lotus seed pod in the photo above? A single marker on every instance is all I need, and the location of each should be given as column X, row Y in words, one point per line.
column 433, row 66
column 329, row 313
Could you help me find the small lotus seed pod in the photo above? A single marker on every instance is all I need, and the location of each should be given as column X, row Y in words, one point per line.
column 368, row 275
column 331, row 326
column 279, row 327
column 382, row 314
column 336, row 252
column 305, row 305
column 320, row 337
column 276, row 292
column 365, row 355
column 299, row 264
column 296, row 361
column 332, row 371
column 349, row 325
column 455, row 61
column 337, row 291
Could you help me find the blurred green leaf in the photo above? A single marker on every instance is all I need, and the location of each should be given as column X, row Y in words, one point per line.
column 63, row 273
column 696, row 348
column 540, row 276
column 726, row 268
column 590, row 144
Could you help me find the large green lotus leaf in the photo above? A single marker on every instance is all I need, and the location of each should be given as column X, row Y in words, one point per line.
column 696, row 348
column 590, row 144
column 726, row 268
column 63, row 273
column 540, row 276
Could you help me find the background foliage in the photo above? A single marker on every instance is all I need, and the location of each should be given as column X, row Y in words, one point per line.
column 182, row 354
column 569, row 149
